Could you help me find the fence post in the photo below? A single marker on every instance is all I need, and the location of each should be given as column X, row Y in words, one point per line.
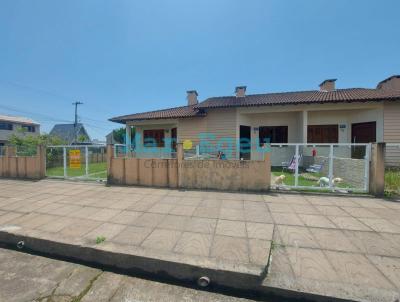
column 367, row 160
column 377, row 169
column 86, row 161
column 330, row 166
column 65, row 161
column 180, row 159
column 296, row 175
column 41, row 157
column 267, row 161
column 109, row 154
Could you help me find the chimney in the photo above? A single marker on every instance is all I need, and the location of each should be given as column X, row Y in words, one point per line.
column 240, row 91
column 192, row 97
column 327, row 85
column 391, row 83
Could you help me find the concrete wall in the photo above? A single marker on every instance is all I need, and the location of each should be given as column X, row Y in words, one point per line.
column 392, row 132
column 233, row 175
column 144, row 171
column 25, row 167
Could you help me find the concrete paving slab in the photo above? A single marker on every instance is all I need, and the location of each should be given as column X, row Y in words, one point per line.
column 189, row 238
column 201, row 225
column 388, row 266
column 357, row 269
column 194, row 244
column 259, row 230
column 230, row 248
column 161, row 239
column 316, row 221
column 381, row 225
column 106, row 230
column 132, row 235
column 295, row 236
column 311, row 264
column 349, row 223
column 231, row 228
column 125, row 217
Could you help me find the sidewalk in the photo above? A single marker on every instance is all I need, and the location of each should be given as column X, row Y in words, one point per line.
column 343, row 247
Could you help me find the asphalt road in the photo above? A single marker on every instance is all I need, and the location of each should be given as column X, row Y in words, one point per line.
column 25, row 277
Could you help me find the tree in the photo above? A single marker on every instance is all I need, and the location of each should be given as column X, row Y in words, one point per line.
column 119, row 135
column 27, row 144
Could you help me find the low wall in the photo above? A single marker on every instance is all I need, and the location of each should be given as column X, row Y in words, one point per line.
column 143, row 171
column 233, row 175
column 25, row 167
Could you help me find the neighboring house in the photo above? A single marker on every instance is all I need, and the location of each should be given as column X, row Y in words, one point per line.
column 16, row 125
column 71, row 134
column 327, row 115
column 110, row 140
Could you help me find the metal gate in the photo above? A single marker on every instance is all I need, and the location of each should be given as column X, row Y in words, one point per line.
column 326, row 167
column 78, row 162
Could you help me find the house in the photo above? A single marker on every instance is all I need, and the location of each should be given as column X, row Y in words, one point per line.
column 327, row 115
column 16, row 125
column 71, row 134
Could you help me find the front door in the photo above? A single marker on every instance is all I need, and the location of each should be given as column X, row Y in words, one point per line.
column 362, row 133
column 173, row 139
column 245, row 142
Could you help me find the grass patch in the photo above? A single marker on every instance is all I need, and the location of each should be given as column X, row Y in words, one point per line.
column 100, row 239
column 97, row 171
column 305, row 179
column 392, row 182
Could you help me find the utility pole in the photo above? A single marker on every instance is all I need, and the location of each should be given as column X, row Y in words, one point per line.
column 76, row 119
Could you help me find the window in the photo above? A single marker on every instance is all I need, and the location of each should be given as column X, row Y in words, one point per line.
column 153, row 138
column 323, row 134
column 273, row 134
column 6, row 126
column 28, row 128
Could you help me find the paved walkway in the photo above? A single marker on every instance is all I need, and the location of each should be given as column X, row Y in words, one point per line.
column 346, row 247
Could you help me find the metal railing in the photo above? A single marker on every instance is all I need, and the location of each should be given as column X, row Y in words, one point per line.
column 76, row 162
column 127, row 151
column 338, row 167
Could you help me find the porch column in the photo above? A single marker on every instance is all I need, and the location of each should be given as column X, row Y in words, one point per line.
column 305, row 124
column 128, row 135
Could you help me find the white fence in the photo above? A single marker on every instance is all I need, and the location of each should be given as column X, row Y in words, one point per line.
column 334, row 167
column 121, row 150
column 392, row 156
column 77, row 162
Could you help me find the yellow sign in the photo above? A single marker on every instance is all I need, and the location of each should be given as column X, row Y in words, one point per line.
column 187, row 144
column 75, row 159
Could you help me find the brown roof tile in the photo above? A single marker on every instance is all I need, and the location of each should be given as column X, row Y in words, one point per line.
column 170, row 113
column 268, row 99
column 301, row 97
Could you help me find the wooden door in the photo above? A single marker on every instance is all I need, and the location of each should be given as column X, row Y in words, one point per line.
column 362, row 133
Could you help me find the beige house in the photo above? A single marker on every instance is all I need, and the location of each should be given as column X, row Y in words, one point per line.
column 16, row 125
column 327, row 115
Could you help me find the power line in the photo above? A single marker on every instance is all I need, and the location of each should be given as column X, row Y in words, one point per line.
column 40, row 115
column 37, row 90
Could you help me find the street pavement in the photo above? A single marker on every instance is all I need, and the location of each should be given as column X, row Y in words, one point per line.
column 332, row 246
column 30, row 278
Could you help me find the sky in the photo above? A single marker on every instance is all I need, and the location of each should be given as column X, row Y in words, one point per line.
column 124, row 56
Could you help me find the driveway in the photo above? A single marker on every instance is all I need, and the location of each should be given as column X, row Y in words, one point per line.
column 336, row 246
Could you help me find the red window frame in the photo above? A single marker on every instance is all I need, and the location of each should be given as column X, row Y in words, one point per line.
column 154, row 138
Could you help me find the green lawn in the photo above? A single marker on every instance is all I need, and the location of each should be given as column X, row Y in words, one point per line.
column 392, row 182
column 305, row 179
column 96, row 171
